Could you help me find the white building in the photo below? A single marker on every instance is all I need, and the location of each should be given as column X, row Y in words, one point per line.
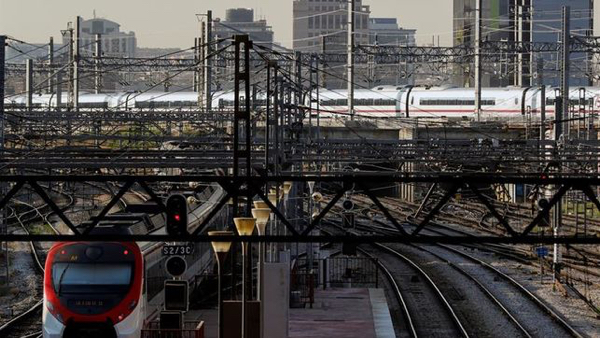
column 114, row 41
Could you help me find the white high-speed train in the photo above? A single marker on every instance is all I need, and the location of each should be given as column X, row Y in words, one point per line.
column 385, row 101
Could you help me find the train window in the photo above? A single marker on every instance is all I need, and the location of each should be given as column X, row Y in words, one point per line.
column 587, row 102
column 68, row 277
column 93, row 105
column 455, row 102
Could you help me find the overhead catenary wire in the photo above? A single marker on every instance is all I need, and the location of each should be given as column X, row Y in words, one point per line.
column 118, row 67
column 39, row 151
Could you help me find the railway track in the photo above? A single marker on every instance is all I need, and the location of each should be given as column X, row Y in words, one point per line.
column 577, row 271
column 407, row 322
column 510, row 253
column 416, row 293
column 27, row 323
column 468, row 284
column 422, row 295
column 571, row 261
column 515, row 299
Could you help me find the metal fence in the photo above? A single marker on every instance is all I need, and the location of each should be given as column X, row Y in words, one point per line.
column 350, row 272
column 190, row 330
column 345, row 271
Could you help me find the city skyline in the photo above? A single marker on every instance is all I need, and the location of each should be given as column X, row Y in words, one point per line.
column 35, row 21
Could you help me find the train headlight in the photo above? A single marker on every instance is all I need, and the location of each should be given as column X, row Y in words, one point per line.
column 127, row 312
column 54, row 312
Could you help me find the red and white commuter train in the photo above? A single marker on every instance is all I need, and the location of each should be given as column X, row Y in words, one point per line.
column 113, row 289
column 379, row 102
column 94, row 290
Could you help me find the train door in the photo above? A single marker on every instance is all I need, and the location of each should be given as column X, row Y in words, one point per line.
column 403, row 102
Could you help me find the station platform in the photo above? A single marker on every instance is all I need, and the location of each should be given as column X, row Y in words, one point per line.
column 345, row 313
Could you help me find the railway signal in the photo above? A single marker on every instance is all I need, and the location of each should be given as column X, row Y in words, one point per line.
column 349, row 248
column 176, row 266
column 176, row 295
column 545, row 221
column 348, row 205
column 177, row 215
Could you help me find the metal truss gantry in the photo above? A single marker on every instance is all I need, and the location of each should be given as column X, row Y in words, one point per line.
column 255, row 188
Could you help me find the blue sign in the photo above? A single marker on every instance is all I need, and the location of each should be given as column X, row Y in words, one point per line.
column 541, row 251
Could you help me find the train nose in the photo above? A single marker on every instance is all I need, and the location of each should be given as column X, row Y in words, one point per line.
column 90, row 330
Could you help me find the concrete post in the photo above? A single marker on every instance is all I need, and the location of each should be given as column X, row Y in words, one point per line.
column 478, row 59
column 76, row 40
column 350, row 61
column 97, row 60
column 208, row 61
column 559, row 127
column 29, row 83
column 50, row 88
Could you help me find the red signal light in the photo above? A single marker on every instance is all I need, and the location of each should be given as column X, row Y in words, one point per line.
column 63, row 252
column 177, row 217
column 126, row 252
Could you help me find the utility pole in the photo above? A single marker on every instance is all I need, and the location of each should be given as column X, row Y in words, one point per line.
column 271, row 74
column 3, row 185
column 2, row 57
column 527, row 32
column 314, row 80
column 478, row 59
column 50, row 89
column 323, row 52
column 58, row 89
column 371, row 70
column 540, row 71
column 29, row 83
column 558, row 125
column 208, row 61
column 298, row 91
column 564, row 69
column 351, row 9
column 543, row 113
column 97, row 60
column 69, row 31
column 76, row 40
column 242, row 117
column 197, row 68
column 200, row 55
column 523, row 34
column 242, row 147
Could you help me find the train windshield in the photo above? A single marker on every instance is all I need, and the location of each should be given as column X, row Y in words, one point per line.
column 103, row 277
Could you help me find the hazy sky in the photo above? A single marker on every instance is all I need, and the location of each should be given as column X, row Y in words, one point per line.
column 172, row 23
